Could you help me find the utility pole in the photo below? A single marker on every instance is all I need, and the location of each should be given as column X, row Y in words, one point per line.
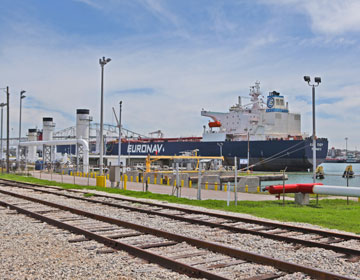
column 199, row 182
column 22, row 96
column 248, row 150
column 235, row 184
column 7, row 130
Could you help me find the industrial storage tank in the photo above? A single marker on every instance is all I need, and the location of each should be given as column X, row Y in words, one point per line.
column 48, row 129
column 32, row 136
column 83, row 120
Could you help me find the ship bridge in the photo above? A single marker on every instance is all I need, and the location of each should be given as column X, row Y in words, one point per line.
column 276, row 103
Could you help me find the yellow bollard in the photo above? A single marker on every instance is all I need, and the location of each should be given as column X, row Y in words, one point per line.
column 107, row 176
column 215, row 186
column 161, row 181
column 168, row 181
column 100, row 181
column 125, row 181
column 174, row 183
column 71, row 173
column 148, row 180
column 137, row 179
column 206, row 185
column 131, row 178
column 258, row 189
column 63, row 172
column 155, row 180
column 190, row 184
column 246, row 188
column 182, row 184
column 225, row 187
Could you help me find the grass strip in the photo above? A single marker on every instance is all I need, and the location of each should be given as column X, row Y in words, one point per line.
column 329, row 213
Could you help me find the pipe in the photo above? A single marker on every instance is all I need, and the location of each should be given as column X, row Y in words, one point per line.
column 337, row 190
column 317, row 188
column 292, row 188
column 64, row 142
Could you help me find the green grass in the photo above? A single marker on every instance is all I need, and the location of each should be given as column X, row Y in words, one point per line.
column 330, row 213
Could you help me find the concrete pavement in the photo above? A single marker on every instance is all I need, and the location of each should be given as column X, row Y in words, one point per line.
column 190, row 193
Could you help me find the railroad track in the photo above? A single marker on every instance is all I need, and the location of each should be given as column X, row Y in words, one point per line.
column 309, row 237
column 213, row 256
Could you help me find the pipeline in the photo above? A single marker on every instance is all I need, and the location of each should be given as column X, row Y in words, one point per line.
column 292, row 188
column 315, row 188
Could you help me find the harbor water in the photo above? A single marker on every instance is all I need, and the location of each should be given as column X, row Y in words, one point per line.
column 333, row 176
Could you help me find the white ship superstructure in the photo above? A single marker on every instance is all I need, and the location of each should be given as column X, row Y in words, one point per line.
column 257, row 120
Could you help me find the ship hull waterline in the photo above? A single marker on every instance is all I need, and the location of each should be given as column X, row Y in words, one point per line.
column 269, row 155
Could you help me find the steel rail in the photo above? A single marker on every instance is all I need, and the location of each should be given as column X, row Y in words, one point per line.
column 217, row 215
column 135, row 251
column 236, row 253
column 308, row 243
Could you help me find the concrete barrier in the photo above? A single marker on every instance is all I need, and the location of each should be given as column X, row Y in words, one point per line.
column 248, row 184
column 211, row 180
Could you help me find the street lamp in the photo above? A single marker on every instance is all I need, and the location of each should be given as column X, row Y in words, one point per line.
column 103, row 61
column 317, row 82
column 346, row 139
column 22, row 96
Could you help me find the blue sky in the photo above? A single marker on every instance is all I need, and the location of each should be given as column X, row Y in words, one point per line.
column 171, row 58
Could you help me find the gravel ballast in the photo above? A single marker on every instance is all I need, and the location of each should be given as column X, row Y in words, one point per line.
column 33, row 250
column 312, row 257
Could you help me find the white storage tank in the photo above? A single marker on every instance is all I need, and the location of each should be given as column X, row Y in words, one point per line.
column 83, row 120
column 32, row 136
column 48, row 129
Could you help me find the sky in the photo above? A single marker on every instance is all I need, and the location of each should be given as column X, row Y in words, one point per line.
column 173, row 58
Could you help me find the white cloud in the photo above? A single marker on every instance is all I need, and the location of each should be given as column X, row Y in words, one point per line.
column 185, row 79
column 331, row 17
column 92, row 3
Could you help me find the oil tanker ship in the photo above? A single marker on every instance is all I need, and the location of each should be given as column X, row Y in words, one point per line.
column 263, row 135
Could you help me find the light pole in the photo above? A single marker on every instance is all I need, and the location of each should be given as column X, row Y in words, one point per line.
column 317, row 82
column 22, row 96
column 346, row 139
column 2, row 148
column 119, row 160
column 103, row 61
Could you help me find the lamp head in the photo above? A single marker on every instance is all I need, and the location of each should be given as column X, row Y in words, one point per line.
column 104, row 60
column 307, row 79
column 317, row 80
